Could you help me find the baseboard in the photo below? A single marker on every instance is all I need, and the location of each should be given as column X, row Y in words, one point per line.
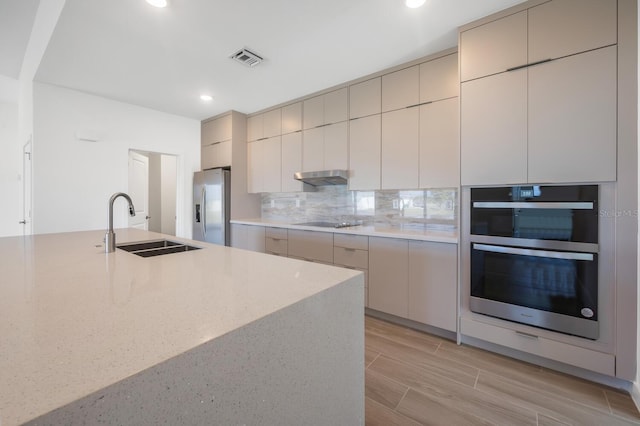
column 635, row 394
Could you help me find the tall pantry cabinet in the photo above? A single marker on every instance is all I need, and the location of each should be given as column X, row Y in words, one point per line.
column 538, row 95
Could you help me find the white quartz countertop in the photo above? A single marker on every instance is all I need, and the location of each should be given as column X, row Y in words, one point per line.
column 409, row 232
column 74, row 319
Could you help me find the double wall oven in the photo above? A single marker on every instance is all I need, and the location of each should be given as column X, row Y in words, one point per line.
column 534, row 256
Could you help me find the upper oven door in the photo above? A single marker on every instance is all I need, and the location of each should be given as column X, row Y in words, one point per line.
column 555, row 213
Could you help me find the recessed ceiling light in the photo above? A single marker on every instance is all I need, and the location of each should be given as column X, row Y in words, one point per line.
column 206, row 98
column 158, row 3
column 414, row 3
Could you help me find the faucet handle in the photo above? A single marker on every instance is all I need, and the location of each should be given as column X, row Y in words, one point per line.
column 132, row 211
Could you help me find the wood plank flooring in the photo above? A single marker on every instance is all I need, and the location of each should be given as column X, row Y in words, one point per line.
column 413, row 378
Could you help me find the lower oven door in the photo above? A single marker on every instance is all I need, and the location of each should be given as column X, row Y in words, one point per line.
column 556, row 290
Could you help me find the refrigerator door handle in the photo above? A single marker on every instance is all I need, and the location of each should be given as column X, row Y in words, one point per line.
column 204, row 215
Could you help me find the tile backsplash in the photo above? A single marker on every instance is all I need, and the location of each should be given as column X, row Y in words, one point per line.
column 433, row 208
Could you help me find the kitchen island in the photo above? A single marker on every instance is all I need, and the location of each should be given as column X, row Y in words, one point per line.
column 210, row 336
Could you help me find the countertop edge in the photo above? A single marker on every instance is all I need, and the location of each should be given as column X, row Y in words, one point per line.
column 385, row 232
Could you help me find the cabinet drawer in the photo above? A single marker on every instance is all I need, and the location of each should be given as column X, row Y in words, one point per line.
column 540, row 346
column 310, row 245
column 360, row 242
column 276, row 245
column 351, row 257
column 276, row 233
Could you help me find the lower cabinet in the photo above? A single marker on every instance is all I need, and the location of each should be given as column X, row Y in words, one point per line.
column 389, row 275
column 311, row 245
column 433, row 281
column 416, row 280
column 276, row 241
column 352, row 251
column 248, row 237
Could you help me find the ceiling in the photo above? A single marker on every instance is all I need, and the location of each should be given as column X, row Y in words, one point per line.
column 165, row 58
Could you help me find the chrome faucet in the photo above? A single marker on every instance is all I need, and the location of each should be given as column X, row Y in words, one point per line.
column 110, row 237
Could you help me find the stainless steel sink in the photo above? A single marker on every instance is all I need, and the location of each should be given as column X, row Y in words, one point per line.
column 156, row 247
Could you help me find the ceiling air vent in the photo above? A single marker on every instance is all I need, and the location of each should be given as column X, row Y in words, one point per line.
column 247, row 57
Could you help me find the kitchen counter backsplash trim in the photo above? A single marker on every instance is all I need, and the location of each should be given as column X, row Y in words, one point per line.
column 407, row 232
column 433, row 209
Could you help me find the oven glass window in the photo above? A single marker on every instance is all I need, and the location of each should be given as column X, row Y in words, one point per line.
column 539, row 213
column 564, row 286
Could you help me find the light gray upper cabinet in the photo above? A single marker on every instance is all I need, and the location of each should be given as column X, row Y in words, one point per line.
column 365, row 98
column 439, row 144
column 292, row 118
column 401, row 89
column 564, row 27
column 264, row 171
column 572, row 118
column 439, row 79
column 291, row 161
column 548, row 31
column 216, row 142
column 538, row 95
column 494, row 129
column 325, row 148
column 265, row 125
column 400, row 146
column 493, row 47
column 330, row 108
column 365, row 153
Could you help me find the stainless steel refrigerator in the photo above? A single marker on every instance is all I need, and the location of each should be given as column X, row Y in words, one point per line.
column 211, row 206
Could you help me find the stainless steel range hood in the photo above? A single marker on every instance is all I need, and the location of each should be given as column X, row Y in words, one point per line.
column 323, row 177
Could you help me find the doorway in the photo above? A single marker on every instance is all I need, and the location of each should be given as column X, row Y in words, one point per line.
column 153, row 187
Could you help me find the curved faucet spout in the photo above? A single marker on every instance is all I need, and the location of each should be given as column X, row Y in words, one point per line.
column 110, row 237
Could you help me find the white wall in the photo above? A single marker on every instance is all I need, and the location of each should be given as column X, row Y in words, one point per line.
column 10, row 159
column 74, row 179
column 168, row 201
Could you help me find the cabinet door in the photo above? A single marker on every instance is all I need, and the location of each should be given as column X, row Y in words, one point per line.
column 272, row 164
column 572, row 118
column 254, row 127
column 255, row 238
column 255, row 167
column 364, row 153
column 207, row 131
column 239, row 236
column 433, row 283
column 400, row 147
column 336, row 106
column 217, row 154
column 313, row 112
column 439, row 79
column 336, row 146
column 291, row 161
column 292, row 118
column 439, row 144
column 493, row 139
column 222, row 129
column 564, row 27
column 493, row 47
column 271, row 123
column 401, row 89
column 389, row 275
column 313, row 150
column 364, row 98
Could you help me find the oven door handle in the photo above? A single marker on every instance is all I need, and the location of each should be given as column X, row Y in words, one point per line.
column 532, row 205
column 537, row 253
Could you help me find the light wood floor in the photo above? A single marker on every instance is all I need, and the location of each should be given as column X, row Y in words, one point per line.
column 413, row 378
